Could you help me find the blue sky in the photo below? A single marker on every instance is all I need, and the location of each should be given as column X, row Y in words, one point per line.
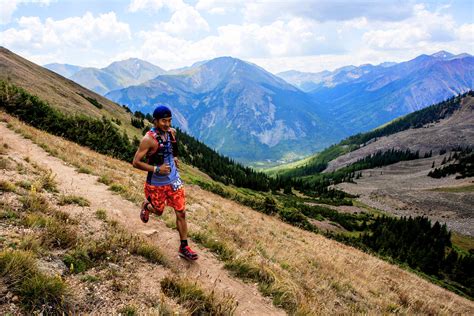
column 303, row 35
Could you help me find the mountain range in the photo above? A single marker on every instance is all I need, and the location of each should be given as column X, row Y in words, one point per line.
column 364, row 97
column 117, row 75
column 231, row 104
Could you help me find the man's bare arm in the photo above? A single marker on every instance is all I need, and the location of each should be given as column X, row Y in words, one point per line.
column 145, row 145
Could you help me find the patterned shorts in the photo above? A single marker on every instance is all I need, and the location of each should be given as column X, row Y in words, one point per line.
column 159, row 196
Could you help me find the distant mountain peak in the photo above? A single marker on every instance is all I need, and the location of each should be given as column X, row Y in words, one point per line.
column 442, row 54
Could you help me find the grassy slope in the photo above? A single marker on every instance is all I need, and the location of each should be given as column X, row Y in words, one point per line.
column 313, row 273
column 58, row 91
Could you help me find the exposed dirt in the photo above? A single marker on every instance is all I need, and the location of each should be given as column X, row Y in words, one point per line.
column 405, row 189
column 208, row 270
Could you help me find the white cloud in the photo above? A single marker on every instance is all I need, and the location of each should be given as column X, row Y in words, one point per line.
column 86, row 40
column 185, row 22
column 465, row 33
column 281, row 38
column 138, row 5
column 422, row 30
column 74, row 32
column 327, row 10
column 8, row 7
column 218, row 6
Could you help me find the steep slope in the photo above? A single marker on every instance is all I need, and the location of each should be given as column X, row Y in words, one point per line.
column 457, row 130
column 117, row 75
column 59, row 92
column 229, row 104
column 314, row 275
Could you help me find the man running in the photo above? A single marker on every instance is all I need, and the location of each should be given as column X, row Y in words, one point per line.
column 163, row 185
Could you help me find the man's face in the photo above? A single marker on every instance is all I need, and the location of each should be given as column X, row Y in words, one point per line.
column 164, row 124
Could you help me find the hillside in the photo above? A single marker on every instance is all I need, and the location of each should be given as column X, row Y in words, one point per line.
column 451, row 132
column 303, row 272
column 63, row 94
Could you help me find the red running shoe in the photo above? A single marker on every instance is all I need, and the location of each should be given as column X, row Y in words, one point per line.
column 187, row 253
column 144, row 212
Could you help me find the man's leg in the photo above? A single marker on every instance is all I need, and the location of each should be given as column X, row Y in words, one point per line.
column 181, row 224
column 184, row 250
column 154, row 202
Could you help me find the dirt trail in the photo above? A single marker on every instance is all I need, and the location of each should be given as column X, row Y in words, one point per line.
column 208, row 270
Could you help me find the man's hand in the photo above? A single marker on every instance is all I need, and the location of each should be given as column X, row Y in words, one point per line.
column 164, row 169
column 176, row 161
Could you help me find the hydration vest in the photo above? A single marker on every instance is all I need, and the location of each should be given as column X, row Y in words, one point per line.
column 166, row 151
column 157, row 158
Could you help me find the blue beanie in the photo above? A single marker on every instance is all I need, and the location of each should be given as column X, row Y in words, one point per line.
column 161, row 112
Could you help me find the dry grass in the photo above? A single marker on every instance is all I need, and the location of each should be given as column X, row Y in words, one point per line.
column 320, row 276
column 7, row 186
column 196, row 299
column 73, row 199
column 37, row 290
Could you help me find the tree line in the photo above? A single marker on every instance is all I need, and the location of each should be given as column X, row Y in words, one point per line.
column 463, row 165
column 423, row 246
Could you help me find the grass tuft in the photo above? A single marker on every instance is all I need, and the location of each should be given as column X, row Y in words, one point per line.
column 129, row 310
column 101, row 214
column 4, row 163
column 36, row 290
column 105, row 180
column 222, row 250
column 7, row 186
column 84, row 170
column 59, row 235
column 24, row 184
column 43, row 292
column 34, row 202
column 150, row 252
column 119, row 188
column 35, row 220
column 47, row 182
column 195, row 299
column 73, row 199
